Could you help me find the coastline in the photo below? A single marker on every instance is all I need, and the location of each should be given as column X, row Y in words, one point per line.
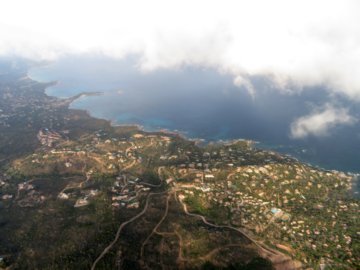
column 182, row 134
column 87, row 140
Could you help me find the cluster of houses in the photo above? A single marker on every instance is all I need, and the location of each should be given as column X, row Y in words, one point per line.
column 282, row 201
column 85, row 200
column 264, row 191
column 48, row 137
column 25, row 193
column 28, row 196
column 126, row 191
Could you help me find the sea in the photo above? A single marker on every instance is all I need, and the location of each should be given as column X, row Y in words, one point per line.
column 203, row 103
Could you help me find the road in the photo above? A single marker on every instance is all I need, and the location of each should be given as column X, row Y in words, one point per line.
column 132, row 164
column 156, row 227
column 129, row 148
column 79, row 185
column 280, row 260
column 122, row 225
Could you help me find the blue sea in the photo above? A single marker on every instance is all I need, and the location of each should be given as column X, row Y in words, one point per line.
column 202, row 103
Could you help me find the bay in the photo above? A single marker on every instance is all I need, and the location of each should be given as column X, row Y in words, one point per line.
column 202, row 103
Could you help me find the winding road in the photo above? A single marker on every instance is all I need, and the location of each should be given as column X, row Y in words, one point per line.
column 122, row 225
column 156, row 227
column 275, row 256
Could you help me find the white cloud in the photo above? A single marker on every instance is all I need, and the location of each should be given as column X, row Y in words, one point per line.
column 319, row 122
column 241, row 81
column 301, row 43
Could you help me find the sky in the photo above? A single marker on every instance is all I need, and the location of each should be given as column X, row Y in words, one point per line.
column 297, row 45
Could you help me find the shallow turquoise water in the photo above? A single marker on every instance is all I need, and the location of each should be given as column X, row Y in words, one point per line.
column 201, row 103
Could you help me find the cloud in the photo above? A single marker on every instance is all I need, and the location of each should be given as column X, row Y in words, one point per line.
column 294, row 43
column 319, row 122
column 241, row 81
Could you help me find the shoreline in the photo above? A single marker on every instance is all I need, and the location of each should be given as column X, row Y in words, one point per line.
column 182, row 134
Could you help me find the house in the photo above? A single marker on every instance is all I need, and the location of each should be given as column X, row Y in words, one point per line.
column 138, row 136
column 7, row 197
column 275, row 210
column 133, row 205
column 169, row 180
column 81, row 202
column 63, row 196
column 115, row 204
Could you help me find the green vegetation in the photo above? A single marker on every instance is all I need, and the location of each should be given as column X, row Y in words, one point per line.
column 68, row 182
column 256, row 263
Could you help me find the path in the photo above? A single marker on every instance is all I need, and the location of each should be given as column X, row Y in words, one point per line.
column 156, row 227
column 275, row 256
column 122, row 225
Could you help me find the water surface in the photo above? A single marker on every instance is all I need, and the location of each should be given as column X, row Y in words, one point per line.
column 202, row 103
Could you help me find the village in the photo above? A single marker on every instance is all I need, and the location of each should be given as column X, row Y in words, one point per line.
column 281, row 203
column 68, row 181
column 273, row 197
